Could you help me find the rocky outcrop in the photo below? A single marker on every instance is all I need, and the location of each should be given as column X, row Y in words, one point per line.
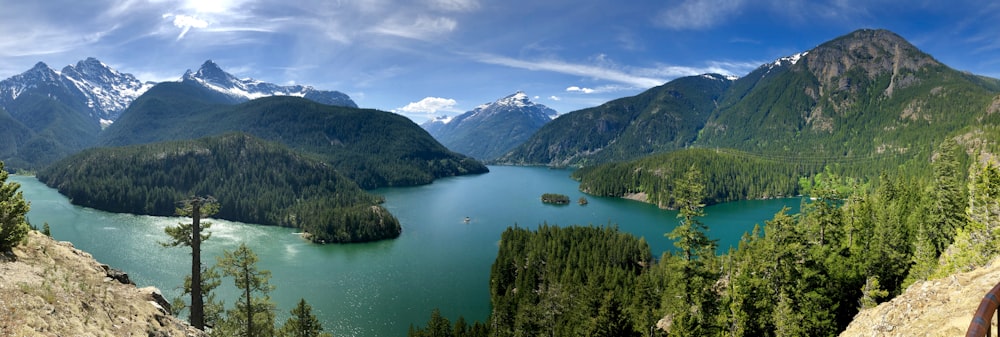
column 941, row 307
column 49, row 288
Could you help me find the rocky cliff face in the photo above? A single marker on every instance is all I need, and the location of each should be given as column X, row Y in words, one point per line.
column 49, row 288
column 941, row 307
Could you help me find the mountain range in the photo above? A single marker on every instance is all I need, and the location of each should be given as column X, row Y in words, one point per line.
column 211, row 77
column 48, row 114
column 491, row 129
column 868, row 93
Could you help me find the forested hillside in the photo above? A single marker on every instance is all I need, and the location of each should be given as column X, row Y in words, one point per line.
column 867, row 94
column 373, row 148
column 660, row 119
column 729, row 175
column 253, row 180
column 805, row 274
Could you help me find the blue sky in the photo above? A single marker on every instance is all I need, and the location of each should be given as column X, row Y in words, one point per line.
column 428, row 58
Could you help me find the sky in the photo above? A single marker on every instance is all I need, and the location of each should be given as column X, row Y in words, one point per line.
column 427, row 58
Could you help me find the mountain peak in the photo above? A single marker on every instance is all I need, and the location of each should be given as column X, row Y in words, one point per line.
column 491, row 129
column 873, row 51
column 212, row 77
column 40, row 66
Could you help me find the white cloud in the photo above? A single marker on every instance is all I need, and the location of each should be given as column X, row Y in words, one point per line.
column 699, row 14
column 554, row 98
column 429, row 105
column 579, row 89
column 185, row 23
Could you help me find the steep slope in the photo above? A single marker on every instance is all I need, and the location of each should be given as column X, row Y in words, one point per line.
column 660, row 119
column 868, row 93
column 492, row 129
column 254, row 181
column 94, row 88
column 213, row 78
column 939, row 307
column 50, row 288
column 64, row 110
column 374, row 148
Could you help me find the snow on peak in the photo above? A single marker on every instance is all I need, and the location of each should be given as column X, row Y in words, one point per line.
column 720, row 77
column 518, row 99
column 108, row 91
column 793, row 59
column 211, row 76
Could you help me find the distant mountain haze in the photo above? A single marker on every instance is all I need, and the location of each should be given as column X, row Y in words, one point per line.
column 491, row 129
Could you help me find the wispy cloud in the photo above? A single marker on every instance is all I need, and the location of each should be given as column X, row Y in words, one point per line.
column 630, row 77
column 584, row 70
column 418, row 28
column 455, row 5
column 698, row 14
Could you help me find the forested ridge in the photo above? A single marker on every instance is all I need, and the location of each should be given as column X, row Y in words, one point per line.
column 373, row 148
column 851, row 247
column 729, row 175
column 866, row 94
column 255, row 181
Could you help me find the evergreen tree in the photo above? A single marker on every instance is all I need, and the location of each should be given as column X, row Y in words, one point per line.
column 252, row 316
column 302, row 323
column 948, row 212
column 689, row 236
column 697, row 250
column 190, row 234
column 13, row 208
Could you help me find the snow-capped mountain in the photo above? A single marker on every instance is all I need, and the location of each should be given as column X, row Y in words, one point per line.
column 491, row 129
column 212, row 77
column 99, row 91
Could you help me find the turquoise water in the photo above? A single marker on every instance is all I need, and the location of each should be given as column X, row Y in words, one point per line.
column 379, row 289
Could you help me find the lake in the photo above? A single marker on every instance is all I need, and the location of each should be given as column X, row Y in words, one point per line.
column 379, row 289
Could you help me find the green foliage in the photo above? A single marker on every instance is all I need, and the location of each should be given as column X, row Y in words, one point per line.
column 661, row 119
column 373, row 148
column 565, row 281
column 46, row 229
column 728, row 176
column 13, row 208
column 190, row 235
column 302, row 323
column 555, row 198
column 977, row 242
column 43, row 129
column 253, row 314
column 255, row 182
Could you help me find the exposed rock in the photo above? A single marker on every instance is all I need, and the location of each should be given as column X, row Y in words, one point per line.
column 941, row 307
column 116, row 274
column 53, row 289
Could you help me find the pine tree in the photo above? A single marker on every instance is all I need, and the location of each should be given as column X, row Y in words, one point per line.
column 948, row 212
column 695, row 246
column 252, row 315
column 302, row 323
column 13, row 225
column 190, row 234
column 689, row 236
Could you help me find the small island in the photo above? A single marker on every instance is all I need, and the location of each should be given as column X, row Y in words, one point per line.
column 556, row 199
column 582, row 201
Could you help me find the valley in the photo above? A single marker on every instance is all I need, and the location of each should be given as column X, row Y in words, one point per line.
column 380, row 288
column 783, row 202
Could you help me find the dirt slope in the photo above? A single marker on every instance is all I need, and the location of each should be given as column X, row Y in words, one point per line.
column 49, row 288
column 941, row 307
